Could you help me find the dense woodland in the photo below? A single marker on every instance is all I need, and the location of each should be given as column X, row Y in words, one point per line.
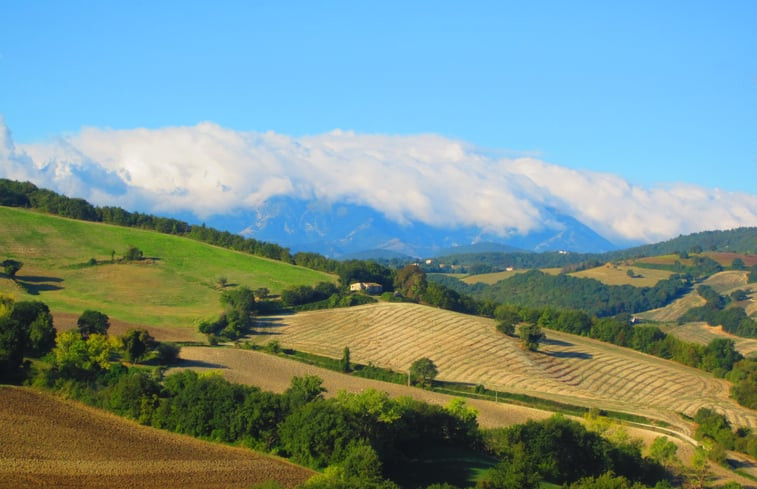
column 538, row 289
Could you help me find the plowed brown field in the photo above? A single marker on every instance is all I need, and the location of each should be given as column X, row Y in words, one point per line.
column 49, row 442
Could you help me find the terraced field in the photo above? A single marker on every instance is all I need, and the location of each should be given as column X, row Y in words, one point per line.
column 49, row 442
column 468, row 349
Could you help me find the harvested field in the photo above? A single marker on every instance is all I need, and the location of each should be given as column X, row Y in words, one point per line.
column 702, row 333
column 726, row 259
column 723, row 282
column 274, row 374
column 611, row 274
column 728, row 281
column 466, row 348
column 675, row 309
column 491, row 278
column 49, row 442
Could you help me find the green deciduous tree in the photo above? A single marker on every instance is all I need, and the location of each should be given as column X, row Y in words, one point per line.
column 517, row 470
column 82, row 358
column 167, row 353
column 26, row 329
column 530, row 336
column 133, row 254
column 411, row 282
column 344, row 362
column 12, row 344
column 136, row 344
column 11, row 267
column 664, row 452
column 92, row 322
column 423, row 371
column 35, row 318
column 303, row 390
column 318, row 433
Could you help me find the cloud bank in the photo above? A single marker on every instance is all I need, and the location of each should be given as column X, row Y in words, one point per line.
column 209, row 170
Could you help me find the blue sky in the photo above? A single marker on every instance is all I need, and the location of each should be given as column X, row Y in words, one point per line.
column 652, row 91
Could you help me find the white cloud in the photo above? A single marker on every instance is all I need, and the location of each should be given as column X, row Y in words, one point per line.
column 209, row 170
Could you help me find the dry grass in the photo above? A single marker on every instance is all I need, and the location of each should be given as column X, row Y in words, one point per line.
column 675, row 309
column 728, row 281
column 723, row 282
column 49, row 442
column 702, row 333
column 468, row 349
column 274, row 374
column 726, row 259
column 611, row 274
column 491, row 278
column 665, row 260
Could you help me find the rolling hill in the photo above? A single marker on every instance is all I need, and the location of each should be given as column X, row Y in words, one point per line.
column 50, row 442
column 174, row 286
column 468, row 349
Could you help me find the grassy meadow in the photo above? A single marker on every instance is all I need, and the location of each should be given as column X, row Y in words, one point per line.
column 175, row 285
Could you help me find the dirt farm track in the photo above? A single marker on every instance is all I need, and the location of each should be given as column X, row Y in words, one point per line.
column 49, row 442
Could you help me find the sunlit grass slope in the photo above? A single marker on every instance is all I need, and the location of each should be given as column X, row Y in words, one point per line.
column 174, row 286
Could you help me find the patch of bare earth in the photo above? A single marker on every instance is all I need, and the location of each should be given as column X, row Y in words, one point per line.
column 49, row 442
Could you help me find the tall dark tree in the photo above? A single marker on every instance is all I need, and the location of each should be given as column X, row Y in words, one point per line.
column 344, row 363
column 92, row 322
column 137, row 343
column 11, row 267
column 530, row 336
column 12, row 344
column 133, row 254
column 35, row 318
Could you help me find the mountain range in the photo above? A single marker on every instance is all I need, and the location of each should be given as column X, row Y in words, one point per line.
column 345, row 230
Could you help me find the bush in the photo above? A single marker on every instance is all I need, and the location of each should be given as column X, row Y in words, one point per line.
column 167, row 353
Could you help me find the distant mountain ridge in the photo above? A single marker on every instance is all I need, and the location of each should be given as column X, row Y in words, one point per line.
column 344, row 229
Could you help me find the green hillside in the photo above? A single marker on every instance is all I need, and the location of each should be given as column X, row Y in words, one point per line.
column 175, row 285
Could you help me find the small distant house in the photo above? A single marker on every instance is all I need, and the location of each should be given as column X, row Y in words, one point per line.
column 370, row 288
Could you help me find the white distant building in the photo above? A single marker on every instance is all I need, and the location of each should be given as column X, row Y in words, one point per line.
column 370, row 288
